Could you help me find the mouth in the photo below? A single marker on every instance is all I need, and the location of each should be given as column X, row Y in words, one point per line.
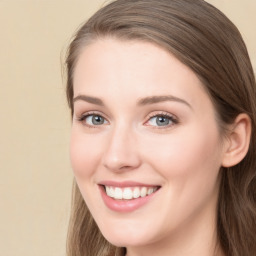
column 129, row 193
column 128, row 196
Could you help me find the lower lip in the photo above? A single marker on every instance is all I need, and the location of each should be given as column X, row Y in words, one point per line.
column 124, row 205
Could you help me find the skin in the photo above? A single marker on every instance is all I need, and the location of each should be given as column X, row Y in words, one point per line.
column 183, row 157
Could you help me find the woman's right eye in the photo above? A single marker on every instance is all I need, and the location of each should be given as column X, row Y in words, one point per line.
column 93, row 120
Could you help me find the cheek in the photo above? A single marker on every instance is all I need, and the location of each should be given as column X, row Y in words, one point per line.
column 186, row 155
column 189, row 165
column 83, row 154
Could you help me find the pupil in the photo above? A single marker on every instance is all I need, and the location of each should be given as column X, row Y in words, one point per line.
column 96, row 120
column 161, row 121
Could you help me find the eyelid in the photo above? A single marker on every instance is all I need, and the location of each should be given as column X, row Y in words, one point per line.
column 172, row 117
column 83, row 116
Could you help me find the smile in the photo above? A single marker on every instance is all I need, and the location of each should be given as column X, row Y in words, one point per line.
column 129, row 193
column 127, row 196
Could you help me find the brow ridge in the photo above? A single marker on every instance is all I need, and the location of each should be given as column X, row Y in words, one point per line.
column 89, row 99
column 141, row 102
column 159, row 99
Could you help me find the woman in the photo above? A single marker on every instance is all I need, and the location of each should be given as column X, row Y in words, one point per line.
column 163, row 101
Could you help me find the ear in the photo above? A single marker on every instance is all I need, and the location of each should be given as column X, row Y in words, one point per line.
column 238, row 141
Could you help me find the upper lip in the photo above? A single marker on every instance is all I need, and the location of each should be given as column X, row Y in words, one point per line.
column 126, row 184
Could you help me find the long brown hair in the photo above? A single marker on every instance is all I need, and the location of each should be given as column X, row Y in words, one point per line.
column 205, row 40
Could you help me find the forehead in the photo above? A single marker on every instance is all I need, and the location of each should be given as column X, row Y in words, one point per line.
column 110, row 68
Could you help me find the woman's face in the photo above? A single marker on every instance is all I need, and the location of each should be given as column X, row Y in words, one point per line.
column 145, row 146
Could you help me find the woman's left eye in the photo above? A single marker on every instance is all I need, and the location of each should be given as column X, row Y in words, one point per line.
column 161, row 121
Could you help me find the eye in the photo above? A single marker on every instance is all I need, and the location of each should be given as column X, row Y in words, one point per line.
column 92, row 120
column 95, row 120
column 162, row 120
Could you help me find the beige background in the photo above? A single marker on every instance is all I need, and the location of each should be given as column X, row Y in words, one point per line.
column 35, row 174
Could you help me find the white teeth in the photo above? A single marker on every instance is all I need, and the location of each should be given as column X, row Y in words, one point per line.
column 136, row 193
column 108, row 190
column 143, row 192
column 150, row 191
column 129, row 193
column 118, row 193
column 111, row 192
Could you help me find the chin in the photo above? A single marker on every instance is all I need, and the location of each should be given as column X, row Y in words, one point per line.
column 127, row 237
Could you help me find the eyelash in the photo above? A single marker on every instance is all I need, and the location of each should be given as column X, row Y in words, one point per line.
column 84, row 116
column 173, row 119
column 170, row 117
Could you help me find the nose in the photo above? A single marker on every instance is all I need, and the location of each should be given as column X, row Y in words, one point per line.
column 121, row 152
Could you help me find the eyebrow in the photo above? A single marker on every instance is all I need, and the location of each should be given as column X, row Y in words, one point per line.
column 141, row 102
column 89, row 99
column 158, row 99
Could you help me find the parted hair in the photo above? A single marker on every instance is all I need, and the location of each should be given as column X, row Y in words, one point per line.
column 206, row 41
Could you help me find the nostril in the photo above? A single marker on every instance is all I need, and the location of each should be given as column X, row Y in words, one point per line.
column 121, row 164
